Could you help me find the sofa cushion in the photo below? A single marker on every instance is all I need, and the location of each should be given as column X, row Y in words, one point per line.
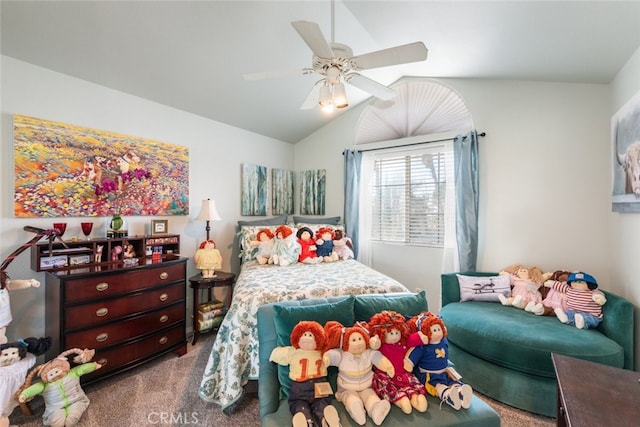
column 366, row 306
column 519, row 340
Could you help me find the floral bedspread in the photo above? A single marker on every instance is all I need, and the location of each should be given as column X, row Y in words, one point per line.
column 234, row 357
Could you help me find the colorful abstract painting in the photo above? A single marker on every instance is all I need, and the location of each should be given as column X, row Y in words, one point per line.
column 254, row 189
column 282, row 194
column 62, row 170
column 312, row 191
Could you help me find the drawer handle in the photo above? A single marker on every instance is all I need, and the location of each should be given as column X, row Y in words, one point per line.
column 164, row 297
column 164, row 318
column 164, row 275
column 103, row 361
column 101, row 312
column 163, row 340
column 102, row 337
column 101, row 287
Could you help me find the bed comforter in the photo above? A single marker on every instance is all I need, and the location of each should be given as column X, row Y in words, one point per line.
column 234, row 357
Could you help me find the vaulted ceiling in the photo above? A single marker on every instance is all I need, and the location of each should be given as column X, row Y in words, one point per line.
column 192, row 55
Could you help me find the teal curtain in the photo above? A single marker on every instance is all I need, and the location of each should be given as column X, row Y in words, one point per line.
column 465, row 155
column 352, row 162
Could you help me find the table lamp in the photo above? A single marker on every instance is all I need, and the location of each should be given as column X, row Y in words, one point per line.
column 208, row 212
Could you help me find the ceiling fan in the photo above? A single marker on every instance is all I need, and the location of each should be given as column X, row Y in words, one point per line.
column 337, row 65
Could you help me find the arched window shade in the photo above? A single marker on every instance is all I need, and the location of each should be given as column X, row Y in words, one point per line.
column 421, row 107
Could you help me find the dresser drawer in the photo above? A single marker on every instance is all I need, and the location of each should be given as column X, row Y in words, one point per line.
column 114, row 333
column 115, row 358
column 110, row 285
column 79, row 316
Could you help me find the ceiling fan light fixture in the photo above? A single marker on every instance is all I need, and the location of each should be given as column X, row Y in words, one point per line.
column 326, row 99
column 333, row 73
column 340, row 96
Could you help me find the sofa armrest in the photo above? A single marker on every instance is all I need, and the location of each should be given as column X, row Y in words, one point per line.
column 618, row 324
column 268, row 383
column 449, row 287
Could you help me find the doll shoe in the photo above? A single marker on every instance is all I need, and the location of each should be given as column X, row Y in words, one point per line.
column 579, row 321
column 331, row 417
column 466, row 393
column 299, row 420
column 452, row 398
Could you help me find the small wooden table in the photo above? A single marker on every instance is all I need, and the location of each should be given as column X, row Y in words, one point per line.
column 197, row 282
column 592, row 394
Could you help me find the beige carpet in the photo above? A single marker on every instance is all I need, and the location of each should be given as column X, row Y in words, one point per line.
column 164, row 392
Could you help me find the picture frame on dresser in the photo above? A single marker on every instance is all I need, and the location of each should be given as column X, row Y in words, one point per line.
column 159, row 227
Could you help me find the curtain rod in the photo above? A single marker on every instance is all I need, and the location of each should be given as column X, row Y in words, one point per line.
column 481, row 134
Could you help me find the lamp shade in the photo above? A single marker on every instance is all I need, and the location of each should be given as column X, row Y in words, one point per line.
column 208, row 211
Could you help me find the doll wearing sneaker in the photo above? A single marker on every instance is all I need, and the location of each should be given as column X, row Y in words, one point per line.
column 428, row 358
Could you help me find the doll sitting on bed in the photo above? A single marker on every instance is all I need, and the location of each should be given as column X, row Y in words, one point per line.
column 264, row 243
column 308, row 253
column 342, row 245
column 324, row 244
column 286, row 249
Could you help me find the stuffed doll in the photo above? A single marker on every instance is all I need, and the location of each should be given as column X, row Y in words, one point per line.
column 350, row 352
column 12, row 352
column 342, row 245
column 551, row 298
column 115, row 253
column 324, row 244
column 307, row 246
column 285, row 247
column 208, row 258
column 428, row 358
column 389, row 332
column 264, row 243
column 8, row 285
column 64, row 399
column 306, row 369
column 584, row 300
column 129, row 252
column 525, row 282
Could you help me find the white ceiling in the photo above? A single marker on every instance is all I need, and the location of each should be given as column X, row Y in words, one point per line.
column 191, row 55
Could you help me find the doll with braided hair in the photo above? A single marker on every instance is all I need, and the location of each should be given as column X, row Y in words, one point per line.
column 350, row 352
column 428, row 358
column 64, row 399
column 389, row 334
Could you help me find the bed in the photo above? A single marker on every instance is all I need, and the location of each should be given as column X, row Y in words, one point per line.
column 234, row 357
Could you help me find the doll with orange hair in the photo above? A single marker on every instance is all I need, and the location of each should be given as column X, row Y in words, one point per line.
column 428, row 358
column 208, row 258
column 324, row 244
column 350, row 352
column 389, row 334
column 306, row 369
column 264, row 242
column 286, row 249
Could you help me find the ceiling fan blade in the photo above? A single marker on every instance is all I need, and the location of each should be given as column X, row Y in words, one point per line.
column 412, row 52
column 276, row 74
column 312, row 36
column 370, row 86
column 312, row 99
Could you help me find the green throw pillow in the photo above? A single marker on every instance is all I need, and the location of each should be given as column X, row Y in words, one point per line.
column 407, row 304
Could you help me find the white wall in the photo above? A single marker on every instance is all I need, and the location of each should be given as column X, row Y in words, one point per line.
column 544, row 171
column 625, row 227
column 216, row 153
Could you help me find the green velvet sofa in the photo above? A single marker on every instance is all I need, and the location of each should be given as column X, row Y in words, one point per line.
column 274, row 325
column 505, row 353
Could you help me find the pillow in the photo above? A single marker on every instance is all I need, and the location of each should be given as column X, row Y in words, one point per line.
column 287, row 316
column 247, row 235
column 366, row 306
column 484, row 288
column 276, row 220
column 334, row 220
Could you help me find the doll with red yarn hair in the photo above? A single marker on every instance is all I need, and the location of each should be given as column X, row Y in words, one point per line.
column 428, row 358
column 264, row 242
column 285, row 247
column 306, row 369
column 349, row 351
column 324, row 244
column 208, row 258
column 389, row 334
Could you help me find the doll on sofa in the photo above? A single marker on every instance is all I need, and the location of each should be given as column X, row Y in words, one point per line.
column 584, row 300
column 428, row 358
column 389, row 333
column 350, row 352
column 525, row 285
column 306, row 369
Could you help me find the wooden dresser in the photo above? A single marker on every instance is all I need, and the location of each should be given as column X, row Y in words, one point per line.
column 128, row 314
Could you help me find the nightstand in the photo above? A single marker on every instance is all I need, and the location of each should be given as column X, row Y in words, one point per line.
column 197, row 282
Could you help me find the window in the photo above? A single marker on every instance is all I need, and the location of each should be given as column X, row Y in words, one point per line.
column 408, row 191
